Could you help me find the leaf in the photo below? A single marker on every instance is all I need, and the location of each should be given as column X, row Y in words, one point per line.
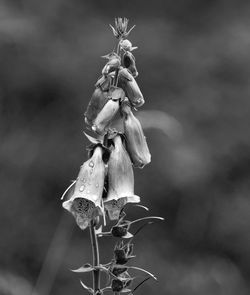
column 125, row 290
column 92, row 139
column 91, row 291
column 85, row 268
column 142, row 282
column 141, row 206
column 148, row 217
column 128, row 236
column 113, row 30
column 143, row 270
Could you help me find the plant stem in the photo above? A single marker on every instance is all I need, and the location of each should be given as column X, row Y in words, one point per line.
column 117, row 70
column 96, row 258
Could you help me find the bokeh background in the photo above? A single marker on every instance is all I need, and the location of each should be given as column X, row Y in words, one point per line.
column 194, row 68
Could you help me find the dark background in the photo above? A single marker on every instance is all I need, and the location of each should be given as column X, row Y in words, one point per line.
column 194, row 65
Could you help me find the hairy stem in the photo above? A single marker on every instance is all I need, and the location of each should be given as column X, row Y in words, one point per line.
column 96, row 257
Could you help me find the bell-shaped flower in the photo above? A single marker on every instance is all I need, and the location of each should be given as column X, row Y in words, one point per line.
column 128, row 84
column 84, row 198
column 105, row 116
column 128, row 60
column 136, row 143
column 127, row 45
column 114, row 62
column 120, row 180
column 99, row 99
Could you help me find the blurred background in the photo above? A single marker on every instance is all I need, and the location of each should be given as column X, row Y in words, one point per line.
column 194, row 65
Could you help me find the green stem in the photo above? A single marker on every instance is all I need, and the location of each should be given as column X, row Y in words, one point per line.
column 96, row 257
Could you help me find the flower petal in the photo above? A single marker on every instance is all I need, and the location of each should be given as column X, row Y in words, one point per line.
column 135, row 140
column 127, row 82
column 85, row 203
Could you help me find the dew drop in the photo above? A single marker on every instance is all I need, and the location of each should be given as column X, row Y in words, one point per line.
column 91, row 164
column 88, row 192
column 82, row 187
column 97, row 185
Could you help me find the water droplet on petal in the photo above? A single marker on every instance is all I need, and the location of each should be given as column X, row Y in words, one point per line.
column 91, row 164
column 88, row 192
column 97, row 185
column 82, row 187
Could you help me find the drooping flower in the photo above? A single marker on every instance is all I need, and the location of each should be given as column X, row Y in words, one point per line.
column 135, row 140
column 127, row 45
column 105, row 116
column 129, row 63
column 127, row 82
column 121, row 26
column 114, row 62
column 84, row 198
column 98, row 100
column 120, row 180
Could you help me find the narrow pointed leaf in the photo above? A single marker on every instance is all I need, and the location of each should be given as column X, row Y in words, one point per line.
column 92, row 139
column 84, row 268
column 91, row 291
column 143, row 270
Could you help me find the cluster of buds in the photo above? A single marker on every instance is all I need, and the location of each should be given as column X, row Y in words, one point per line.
column 105, row 183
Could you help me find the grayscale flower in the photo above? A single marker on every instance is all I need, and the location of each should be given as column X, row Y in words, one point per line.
column 105, row 116
column 127, row 82
column 120, row 180
column 128, row 61
column 84, row 197
column 136, row 143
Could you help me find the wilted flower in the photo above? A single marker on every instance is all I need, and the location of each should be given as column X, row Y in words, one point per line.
column 127, row 45
column 131, row 88
column 105, row 116
column 129, row 63
column 120, row 30
column 135, row 140
column 120, row 180
column 84, row 198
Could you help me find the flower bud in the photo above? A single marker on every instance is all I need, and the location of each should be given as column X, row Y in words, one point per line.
column 84, row 199
column 118, row 269
column 120, row 180
column 127, row 45
column 117, row 285
column 129, row 63
column 119, row 231
column 114, row 62
column 127, row 82
column 105, row 116
column 136, row 143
